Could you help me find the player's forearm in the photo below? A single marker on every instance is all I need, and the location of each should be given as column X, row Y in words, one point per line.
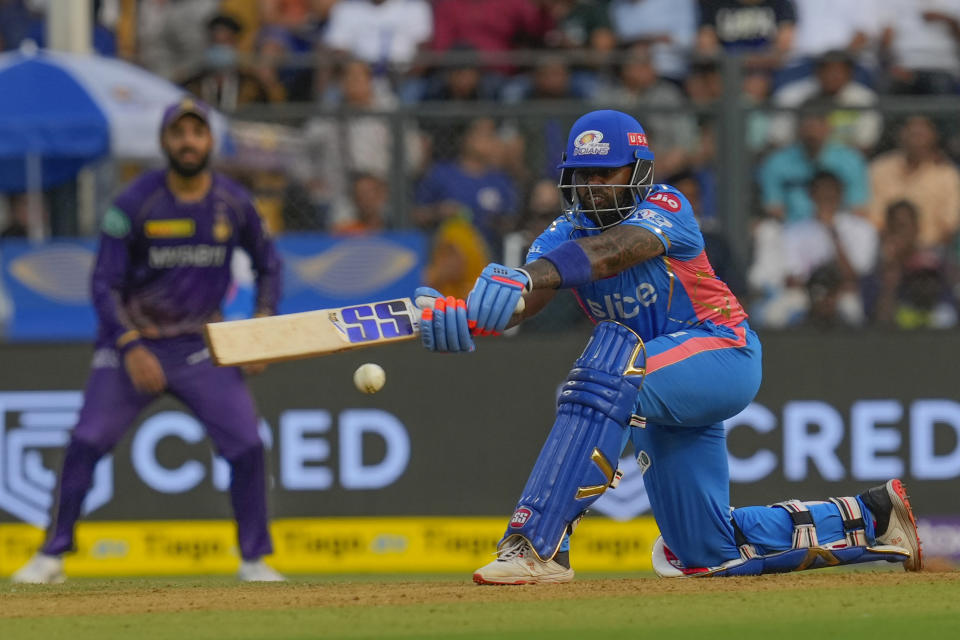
column 587, row 259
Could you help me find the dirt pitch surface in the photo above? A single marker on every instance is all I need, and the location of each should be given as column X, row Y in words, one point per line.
column 128, row 597
column 849, row 604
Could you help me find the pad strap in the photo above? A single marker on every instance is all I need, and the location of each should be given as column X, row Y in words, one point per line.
column 804, row 531
column 854, row 527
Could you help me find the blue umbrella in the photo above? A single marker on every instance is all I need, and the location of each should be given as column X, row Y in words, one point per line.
column 60, row 111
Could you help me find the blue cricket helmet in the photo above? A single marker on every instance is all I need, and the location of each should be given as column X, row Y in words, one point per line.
column 605, row 139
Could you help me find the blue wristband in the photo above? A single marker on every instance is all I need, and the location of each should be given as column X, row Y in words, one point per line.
column 572, row 264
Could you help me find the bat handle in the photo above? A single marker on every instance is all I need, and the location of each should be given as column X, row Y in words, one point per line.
column 423, row 302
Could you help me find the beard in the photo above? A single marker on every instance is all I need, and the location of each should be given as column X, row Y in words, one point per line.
column 603, row 204
column 187, row 169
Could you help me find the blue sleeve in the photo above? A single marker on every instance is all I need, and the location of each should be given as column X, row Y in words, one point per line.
column 429, row 189
column 667, row 214
column 771, row 184
column 857, row 179
column 265, row 260
column 552, row 237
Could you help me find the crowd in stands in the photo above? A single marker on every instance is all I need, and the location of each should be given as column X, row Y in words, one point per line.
column 855, row 211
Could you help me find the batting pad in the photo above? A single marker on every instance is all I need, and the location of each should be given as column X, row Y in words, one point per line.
column 578, row 461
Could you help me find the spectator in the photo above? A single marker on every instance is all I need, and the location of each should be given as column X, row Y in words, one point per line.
column 833, row 80
column 357, row 142
column 833, row 236
column 169, row 40
column 907, row 290
column 919, row 39
column 673, row 134
column 918, row 170
column 704, row 84
column 579, row 24
column 825, row 290
column 292, row 29
column 535, row 143
column 457, row 256
column 488, row 25
column 761, row 29
column 367, row 209
column 834, row 25
column 785, row 174
column 757, row 86
column 842, row 244
column 460, row 82
column 222, row 80
column 381, row 32
column 473, row 187
column 668, row 26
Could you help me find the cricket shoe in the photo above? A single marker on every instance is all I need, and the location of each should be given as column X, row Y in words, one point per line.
column 516, row 563
column 896, row 524
column 258, row 571
column 40, row 569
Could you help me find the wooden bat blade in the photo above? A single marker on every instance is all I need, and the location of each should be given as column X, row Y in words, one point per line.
column 311, row 333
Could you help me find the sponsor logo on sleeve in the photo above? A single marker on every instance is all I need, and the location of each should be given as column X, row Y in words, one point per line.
column 655, row 217
column 666, row 200
column 115, row 223
column 589, row 143
column 637, row 139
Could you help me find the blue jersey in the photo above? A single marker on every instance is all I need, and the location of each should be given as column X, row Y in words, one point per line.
column 668, row 293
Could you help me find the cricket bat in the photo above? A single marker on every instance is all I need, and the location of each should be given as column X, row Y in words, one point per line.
column 313, row 333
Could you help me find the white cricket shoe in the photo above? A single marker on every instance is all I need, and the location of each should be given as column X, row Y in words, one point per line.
column 896, row 524
column 258, row 571
column 516, row 563
column 40, row 569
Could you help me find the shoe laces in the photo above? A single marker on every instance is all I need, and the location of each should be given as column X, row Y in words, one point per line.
column 514, row 549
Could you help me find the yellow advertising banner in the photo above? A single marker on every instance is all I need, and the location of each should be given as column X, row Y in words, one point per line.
column 320, row 545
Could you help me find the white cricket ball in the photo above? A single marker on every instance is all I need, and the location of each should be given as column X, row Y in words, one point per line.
column 369, row 378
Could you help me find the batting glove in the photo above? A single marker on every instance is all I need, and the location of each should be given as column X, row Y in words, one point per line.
column 443, row 322
column 494, row 298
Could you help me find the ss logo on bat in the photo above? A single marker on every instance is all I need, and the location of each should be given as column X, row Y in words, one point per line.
column 367, row 322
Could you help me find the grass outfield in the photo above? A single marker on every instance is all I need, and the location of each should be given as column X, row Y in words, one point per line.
column 868, row 604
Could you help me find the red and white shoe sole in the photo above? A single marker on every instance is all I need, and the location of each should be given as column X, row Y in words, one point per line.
column 905, row 511
column 479, row 579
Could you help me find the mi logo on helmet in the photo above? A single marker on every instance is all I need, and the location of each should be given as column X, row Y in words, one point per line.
column 520, row 517
column 588, row 143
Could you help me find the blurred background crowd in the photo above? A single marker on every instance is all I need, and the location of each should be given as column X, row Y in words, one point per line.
column 817, row 140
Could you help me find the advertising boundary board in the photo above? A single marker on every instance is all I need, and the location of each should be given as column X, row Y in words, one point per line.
column 457, row 435
column 319, row 545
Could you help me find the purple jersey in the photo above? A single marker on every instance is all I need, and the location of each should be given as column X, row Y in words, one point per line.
column 164, row 264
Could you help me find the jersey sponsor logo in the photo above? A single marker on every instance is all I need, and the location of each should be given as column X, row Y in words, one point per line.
column 115, row 223
column 170, row 228
column 614, row 306
column 222, row 230
column 655, row 217
column 588, row 143
column 520, row 517
column 668, row 201
column 190, row 255
column 637, row 139
column 366, row 322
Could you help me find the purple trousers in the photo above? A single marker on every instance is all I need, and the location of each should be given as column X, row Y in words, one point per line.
column 218, row 396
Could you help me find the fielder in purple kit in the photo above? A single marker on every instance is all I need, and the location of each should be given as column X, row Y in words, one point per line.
column 162, row 270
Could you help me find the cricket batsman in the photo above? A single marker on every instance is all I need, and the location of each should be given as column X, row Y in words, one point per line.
column 162, row 270
column 671, row 357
